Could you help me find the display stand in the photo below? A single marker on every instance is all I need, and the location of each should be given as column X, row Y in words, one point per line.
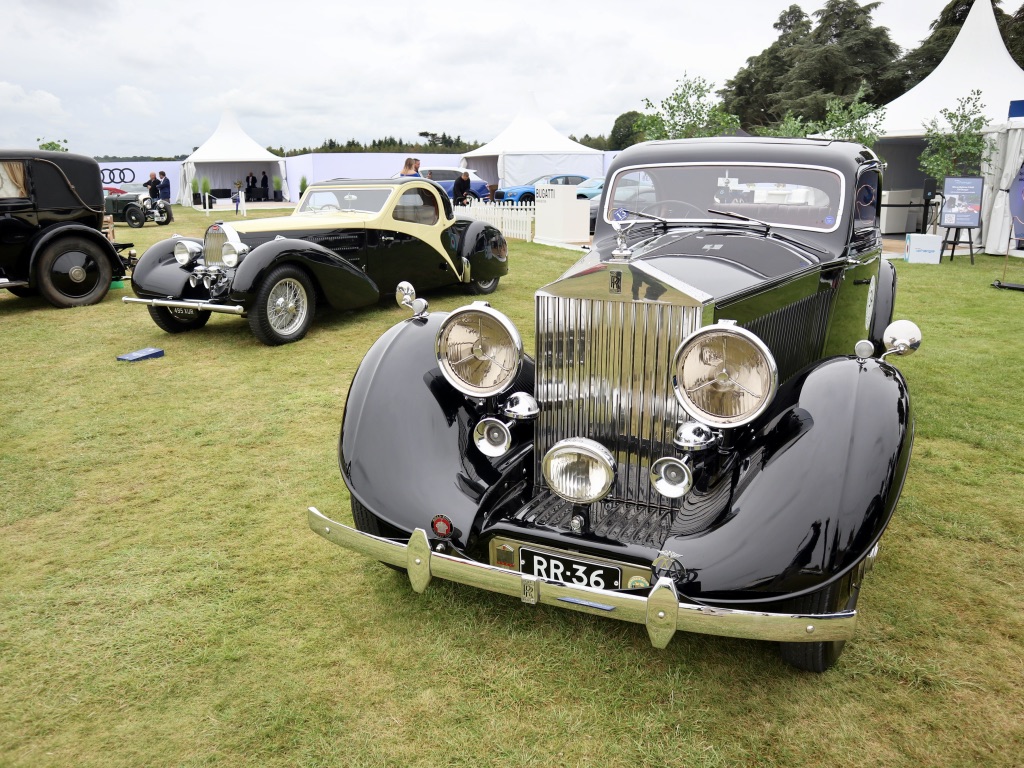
column 955, row 242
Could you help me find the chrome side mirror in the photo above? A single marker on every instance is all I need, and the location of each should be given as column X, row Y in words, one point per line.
column 902, row 337
column 405, row 295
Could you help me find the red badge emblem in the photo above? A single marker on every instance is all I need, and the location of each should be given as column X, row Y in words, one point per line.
column 442, row 526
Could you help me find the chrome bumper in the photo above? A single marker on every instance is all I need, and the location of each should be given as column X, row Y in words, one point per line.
column 661, row 612
column 235, row 309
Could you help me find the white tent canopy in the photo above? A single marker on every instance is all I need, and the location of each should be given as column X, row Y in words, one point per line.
column 530, row 147
column 228, row 156
column 999, row 174
column 977, row 60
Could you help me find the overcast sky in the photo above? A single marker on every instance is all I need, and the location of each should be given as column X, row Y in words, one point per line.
column 152, row 78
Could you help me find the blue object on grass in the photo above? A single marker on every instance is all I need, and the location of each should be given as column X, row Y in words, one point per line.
column 148, row 353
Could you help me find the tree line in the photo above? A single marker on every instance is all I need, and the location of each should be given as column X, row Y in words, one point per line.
column 818, row 76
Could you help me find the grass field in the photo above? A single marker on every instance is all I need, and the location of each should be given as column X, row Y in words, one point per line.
column 163, row 602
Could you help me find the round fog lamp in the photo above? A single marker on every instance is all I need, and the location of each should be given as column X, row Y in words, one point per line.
column 671, row 477
column 579, row 470
column 492, row 437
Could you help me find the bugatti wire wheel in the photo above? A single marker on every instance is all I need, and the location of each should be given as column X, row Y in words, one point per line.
column 284, row 306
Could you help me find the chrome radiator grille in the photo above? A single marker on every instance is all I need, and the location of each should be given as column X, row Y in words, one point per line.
column 604, row 371
column 213, row 246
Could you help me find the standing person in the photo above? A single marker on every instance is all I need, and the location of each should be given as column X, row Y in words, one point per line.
column 165, row 187
column 250, row 182
column 153, row 186
column 409, row 168
column 416, row 165
column 265, row 187
column 460, row 188
column 164, row 192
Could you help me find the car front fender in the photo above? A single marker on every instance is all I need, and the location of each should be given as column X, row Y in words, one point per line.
column 158, row 273
column 341, row 282
column 486, row 250
column 48, row 235
column 812, row 489
column 406, row 449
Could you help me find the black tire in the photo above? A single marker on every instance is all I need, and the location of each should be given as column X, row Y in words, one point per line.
column 367, row 522
column 178, row 322
column 471, row 196
column 284, row 306
column 526, row 199
column 818, row 657
column 134, row 217
column 23, row 291
column 73, row 271
column 166, row 220
column 482, row 287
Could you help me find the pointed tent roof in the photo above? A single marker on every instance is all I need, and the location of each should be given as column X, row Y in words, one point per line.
column 530, row 133
column 230, row 143
column 978, row 59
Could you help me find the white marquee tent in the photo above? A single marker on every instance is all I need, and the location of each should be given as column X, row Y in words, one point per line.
column 530, row 147
column 228, row 156
column 977, row 60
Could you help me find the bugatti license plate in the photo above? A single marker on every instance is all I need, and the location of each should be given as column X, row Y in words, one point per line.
column 551, row 567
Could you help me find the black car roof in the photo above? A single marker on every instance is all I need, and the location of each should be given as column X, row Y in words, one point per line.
column 82, row 172
column 844, row 156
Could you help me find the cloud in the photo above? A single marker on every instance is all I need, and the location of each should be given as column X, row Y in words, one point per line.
column 131, row 101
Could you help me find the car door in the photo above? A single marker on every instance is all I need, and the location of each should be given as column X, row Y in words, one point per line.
column 18, row 218
column 409, row 245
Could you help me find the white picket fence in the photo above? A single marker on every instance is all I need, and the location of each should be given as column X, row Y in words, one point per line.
column 514, row 221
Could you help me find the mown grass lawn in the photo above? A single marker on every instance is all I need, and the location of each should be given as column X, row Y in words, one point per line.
column 163, row 602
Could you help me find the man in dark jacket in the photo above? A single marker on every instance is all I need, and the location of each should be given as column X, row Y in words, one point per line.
column 460, row 188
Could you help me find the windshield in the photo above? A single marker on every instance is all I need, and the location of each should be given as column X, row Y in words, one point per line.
column 362, row 199
column 797, row 197
column 592, row 183
column 538, row 180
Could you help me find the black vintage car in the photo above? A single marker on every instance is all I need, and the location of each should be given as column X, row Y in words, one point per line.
column 136, row 207
column 708, row 435
column 348, row 243
column 51, row 217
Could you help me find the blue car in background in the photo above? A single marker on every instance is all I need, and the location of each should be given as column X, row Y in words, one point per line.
column 590, row 188
column 446, row 176
column 527, row 193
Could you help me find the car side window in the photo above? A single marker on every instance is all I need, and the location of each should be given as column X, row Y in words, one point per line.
column 12, row 180
column 866, row 203
column 417, row 206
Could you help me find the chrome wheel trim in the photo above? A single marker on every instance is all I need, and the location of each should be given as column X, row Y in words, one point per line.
column 287, row 306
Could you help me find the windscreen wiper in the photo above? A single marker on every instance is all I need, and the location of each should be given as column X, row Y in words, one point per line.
column 769, row 231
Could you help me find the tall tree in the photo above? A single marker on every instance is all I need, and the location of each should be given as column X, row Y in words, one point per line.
column 751, row 94
column 624, row 132
column 686, row 113
column 842, row 52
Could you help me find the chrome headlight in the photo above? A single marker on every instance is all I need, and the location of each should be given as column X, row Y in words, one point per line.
column 724, row 376
column 479, row 350
column 185, row 252
column 579, row 470
column 231, row 253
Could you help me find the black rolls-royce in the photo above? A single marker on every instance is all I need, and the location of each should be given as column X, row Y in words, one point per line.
column 348, row 243
column 51, row 220
column 709, row 434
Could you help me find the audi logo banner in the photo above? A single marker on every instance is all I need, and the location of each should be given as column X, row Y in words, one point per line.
column 117, row 175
